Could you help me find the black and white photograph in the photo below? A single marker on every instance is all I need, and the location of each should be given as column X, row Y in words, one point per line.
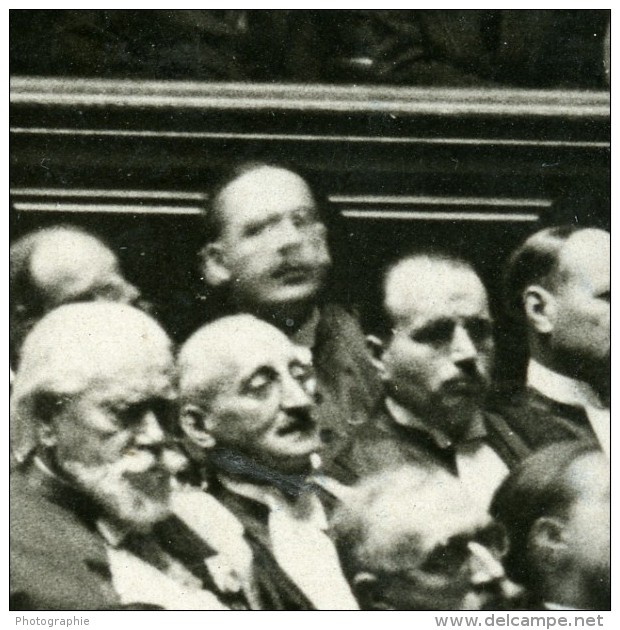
column 310, row 310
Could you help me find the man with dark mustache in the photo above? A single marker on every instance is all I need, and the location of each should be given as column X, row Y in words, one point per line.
column 91, row 519
column 434, row 355
column 267, row 253
column 246, row 414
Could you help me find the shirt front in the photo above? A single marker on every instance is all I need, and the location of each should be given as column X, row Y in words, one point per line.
column 142, row 572
column 569, row 391
column 300, row 545
column 478, row 466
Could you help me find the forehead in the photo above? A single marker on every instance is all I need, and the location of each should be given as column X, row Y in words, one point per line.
column 131, row 380
column 424, row 290
column 444, row 514
column 586, row 257
column 590, row 477
column 261, row 192
column 256, row 346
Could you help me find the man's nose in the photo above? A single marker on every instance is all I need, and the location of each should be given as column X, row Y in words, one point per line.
column 289, row 234
column 294, row 396
column 130, row 294
column 462, row 347
column 150, row 433
column 484, row 566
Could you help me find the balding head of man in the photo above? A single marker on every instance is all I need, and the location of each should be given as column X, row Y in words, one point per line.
column 558, row 282
column 556, row 509
column 61, row 265
column 410, row 540
column 435, row 350
column 246, row 387
column 90, row 400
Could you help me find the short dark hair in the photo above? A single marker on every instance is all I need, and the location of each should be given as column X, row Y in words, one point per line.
column 212, row 217
column 537, row 487
column 382, row 322
column 534, row 262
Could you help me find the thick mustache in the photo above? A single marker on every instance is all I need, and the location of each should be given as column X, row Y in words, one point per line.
column 297, row 420
column 473, row 381
column 292, row 266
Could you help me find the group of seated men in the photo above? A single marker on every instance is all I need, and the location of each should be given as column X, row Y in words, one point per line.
column 281, row 458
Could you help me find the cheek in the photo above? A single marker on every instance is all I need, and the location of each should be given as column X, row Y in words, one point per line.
column 412, row 363
column 247, row 418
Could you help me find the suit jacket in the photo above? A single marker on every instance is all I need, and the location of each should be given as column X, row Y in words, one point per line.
column 276, row 590
column 385, row 444
column 348, row 385
column 58, row 559
column 538, row 420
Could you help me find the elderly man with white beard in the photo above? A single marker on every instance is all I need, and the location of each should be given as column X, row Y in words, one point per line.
column 91, row 526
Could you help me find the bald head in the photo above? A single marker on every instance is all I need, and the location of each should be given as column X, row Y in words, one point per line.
column 411, row 540
column 246, row 386
column 560, row 280
column 420, row 283
column 61, row 265
column 79, row 346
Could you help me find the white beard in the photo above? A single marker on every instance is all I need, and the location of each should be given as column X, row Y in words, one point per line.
column 111, row 487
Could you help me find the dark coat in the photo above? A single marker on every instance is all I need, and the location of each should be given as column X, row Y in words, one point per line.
column 539, row 420
column 384, row 444
column 58, row 559
column 349, row 388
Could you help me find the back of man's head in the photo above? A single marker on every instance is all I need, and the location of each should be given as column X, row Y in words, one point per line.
column 542, row 505
column 535, row 262
column 558, row 284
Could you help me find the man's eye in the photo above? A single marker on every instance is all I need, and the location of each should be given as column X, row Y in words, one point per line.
column 435, row 334
column 494, row 538
column 605, row 296
column 446, row 559
column 259, row 386
column 305, row 217
column 479, row 330
column 255, row 229
column 304, row 375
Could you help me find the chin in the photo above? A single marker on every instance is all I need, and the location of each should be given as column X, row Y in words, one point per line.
column 110, row 488
column 294, row 294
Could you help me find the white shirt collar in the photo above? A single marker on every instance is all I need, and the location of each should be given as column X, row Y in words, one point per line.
column 561, row 388
column 306, row 508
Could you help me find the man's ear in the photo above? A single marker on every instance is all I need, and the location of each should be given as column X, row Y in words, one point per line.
column 367, row 592
column 547, row 538
column 197, row 425
column 47, row 409
column 540, row 308
column 47, row 435
column 214, row 270
column 376, row 348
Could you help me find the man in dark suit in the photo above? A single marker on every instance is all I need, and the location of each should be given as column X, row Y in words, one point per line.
column 556, row 509
column 246, row 413
column 91, row 525
column 267, row 253
column 558, row 283
column 434, row 355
